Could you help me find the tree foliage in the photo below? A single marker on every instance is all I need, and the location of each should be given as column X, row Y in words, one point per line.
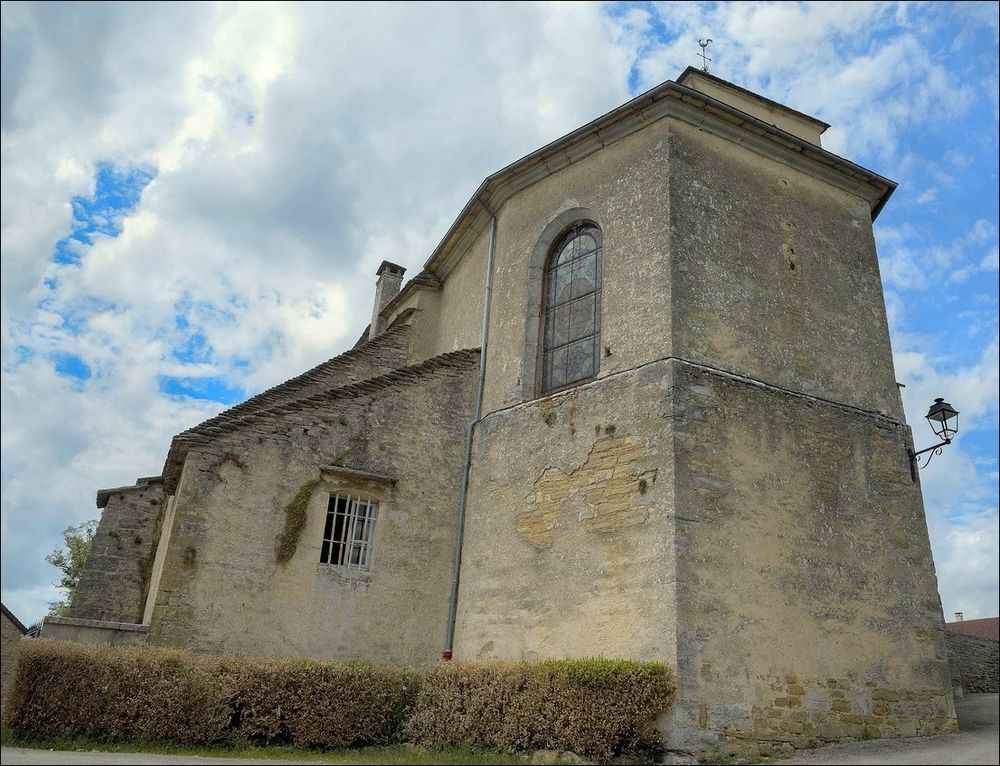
column 70, row 560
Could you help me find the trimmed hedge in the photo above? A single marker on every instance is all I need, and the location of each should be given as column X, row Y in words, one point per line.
column 64, row 690
column 593, row 707
column 318, row 704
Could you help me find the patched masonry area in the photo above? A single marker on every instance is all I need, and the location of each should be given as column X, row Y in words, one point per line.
column 624, row 514
column 602, row 493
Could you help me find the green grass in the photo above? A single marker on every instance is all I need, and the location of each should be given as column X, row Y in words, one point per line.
column 397, row 754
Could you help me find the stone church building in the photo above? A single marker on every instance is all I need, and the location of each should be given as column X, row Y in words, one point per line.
column 640, row 402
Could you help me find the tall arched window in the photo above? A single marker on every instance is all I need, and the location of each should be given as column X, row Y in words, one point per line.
column 572, row 314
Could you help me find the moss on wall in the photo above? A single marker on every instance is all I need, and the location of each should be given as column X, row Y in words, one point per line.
column 295, row 521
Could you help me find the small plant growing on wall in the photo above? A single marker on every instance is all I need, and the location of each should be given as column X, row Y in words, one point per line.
column 295, row 521
column 230, row 457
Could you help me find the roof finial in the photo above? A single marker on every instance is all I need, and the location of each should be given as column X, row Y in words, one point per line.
column 704, row 59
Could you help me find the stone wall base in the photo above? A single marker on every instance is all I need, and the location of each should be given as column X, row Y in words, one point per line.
column 94, row 631
column 807, row 713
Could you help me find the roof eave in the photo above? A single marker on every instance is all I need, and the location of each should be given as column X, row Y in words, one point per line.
column 616, row 124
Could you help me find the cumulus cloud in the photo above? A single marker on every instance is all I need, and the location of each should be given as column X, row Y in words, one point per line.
column 293, row 147
column 286, row 149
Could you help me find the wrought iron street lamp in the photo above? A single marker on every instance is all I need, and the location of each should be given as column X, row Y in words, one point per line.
column 943, row 419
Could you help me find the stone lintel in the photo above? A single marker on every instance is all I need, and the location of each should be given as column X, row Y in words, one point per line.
column 353, row 473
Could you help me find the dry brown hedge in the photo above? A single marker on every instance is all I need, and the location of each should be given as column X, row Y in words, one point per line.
column 130, row 693
column 594, row 707
column 65, row 690
column 318, row 704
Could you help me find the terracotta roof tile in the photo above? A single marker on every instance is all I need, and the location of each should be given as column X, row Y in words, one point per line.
column 987, row 627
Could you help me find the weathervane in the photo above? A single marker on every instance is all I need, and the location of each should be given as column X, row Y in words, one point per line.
column 704, row 59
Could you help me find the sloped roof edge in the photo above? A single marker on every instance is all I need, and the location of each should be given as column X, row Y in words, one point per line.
column 13, row 618
column 206, row 432
column 261, row 400
column 629, row 117
column 982, row 627
column 691, row 70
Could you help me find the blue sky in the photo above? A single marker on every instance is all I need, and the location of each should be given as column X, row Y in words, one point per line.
column 195, row 198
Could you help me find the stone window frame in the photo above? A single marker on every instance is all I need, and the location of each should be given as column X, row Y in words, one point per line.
column 349, row 482
column 555, row 229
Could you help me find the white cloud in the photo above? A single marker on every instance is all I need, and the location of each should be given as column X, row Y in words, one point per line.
column 960, row 493
column 296, row 146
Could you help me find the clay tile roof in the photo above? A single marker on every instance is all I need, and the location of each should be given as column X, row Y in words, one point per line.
column 987, row 627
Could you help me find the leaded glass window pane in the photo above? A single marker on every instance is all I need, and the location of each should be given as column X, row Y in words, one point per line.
column 572, row 319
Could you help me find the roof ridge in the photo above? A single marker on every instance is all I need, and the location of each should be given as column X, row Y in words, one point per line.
column 458, row 358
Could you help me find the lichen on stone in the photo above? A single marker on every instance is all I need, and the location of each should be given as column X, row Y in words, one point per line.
column 295, row 521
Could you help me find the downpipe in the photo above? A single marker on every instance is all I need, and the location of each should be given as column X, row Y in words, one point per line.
column 449, row 640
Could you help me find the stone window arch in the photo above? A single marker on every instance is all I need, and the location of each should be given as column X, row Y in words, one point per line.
column 571, row 308
column 530, row 381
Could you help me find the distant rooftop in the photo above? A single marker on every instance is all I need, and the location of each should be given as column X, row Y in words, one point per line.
column 987, row 627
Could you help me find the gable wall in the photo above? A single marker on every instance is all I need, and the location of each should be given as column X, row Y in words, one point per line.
column 222, row 589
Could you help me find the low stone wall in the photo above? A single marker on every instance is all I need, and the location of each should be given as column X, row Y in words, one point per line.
column 975, row 663
column 94, row 631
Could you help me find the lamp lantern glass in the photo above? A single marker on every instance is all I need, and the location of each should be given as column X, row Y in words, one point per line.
column 943, row 419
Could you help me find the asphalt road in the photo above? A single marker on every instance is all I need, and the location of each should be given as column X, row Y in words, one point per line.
column 977, row 743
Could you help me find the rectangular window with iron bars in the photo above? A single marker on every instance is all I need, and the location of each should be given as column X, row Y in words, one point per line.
column 348, row 533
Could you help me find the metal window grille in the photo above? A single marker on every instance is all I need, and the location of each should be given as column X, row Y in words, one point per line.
column 348, row 533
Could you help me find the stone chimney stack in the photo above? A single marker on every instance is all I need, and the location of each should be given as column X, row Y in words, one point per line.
column 390, row 279
column 959, row 617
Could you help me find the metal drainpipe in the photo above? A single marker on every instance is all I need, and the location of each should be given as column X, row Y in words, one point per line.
column 449, row 640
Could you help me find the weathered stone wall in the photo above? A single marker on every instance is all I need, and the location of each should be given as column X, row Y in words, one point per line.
column 222, row 589
column 797, row 523
column 569, row 531
column 10, row 642
column 807, row 606
column 624, row 188
column 459, row 318
column 974, row 662
column 114, row 581
column 775, row 275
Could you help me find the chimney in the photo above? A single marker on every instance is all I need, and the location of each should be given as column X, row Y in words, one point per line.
column 959, row 616
column 390, row 279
